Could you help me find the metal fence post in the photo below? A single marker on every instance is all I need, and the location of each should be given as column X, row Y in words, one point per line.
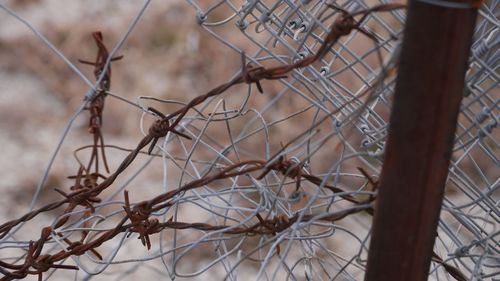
column 429, row 89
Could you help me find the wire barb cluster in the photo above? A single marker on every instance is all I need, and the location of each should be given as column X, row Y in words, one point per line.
column 87, row 194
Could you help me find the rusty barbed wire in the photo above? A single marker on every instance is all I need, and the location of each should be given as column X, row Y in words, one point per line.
column 96, row 104
column 86, row 195
column 160, row 128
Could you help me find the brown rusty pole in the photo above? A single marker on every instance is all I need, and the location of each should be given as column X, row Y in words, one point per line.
column 429, row 88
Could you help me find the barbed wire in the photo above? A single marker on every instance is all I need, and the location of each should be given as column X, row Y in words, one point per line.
column 274, row 214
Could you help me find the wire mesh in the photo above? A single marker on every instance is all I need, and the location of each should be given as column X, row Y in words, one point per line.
column 276, row 185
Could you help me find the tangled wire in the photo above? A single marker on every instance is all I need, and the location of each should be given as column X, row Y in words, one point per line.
column 247, row 199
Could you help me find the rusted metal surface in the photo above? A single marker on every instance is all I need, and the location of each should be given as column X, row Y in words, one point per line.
column 430, row 84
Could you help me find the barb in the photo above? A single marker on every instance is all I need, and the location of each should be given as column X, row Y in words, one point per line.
column 96, row 104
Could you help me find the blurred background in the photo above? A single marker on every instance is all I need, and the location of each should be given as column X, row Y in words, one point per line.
column 165, row 56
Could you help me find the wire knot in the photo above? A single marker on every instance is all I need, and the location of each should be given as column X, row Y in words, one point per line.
column 286, row 167
column 278, row 223
column 82, row 197
column 253, row 74
column 159, row 129
column 42, row 263
column 343, row 25
column 140, row 221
